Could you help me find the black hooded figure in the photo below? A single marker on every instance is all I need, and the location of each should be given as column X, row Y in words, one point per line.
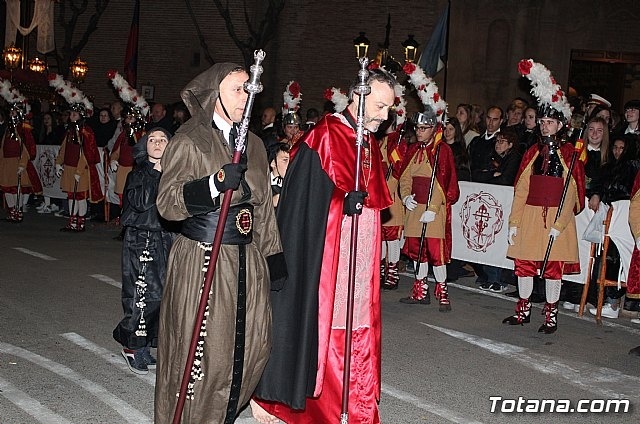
column 145, row 249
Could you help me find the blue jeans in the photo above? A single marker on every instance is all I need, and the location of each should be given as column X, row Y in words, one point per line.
column 494, row 274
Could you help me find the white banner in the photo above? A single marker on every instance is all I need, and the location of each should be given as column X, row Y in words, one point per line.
column 45, row 164
column 480, row 227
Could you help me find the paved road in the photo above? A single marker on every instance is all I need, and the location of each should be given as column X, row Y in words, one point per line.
column 59, row 301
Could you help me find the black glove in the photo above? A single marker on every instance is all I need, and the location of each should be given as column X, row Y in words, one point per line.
column 354, row 202
column 229, row 176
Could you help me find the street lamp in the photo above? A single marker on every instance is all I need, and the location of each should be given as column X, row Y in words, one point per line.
column 37, row 65
column 12, row 56
column 410, row 49
column 78, row 69
column 361, row 43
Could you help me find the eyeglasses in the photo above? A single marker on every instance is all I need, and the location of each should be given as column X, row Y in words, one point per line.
column 502, row 141
column 423, row 129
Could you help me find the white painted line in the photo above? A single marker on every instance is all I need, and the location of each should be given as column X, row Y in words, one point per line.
column 429, row 407
column 36, row 254
column 601, row 381
column 108, row 356
column 29, row 405
column 129, row 413
column 107, row 280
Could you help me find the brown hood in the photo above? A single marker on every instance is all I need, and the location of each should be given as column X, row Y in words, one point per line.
column 201, row 93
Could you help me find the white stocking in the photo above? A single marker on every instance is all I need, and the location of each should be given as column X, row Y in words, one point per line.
column 525, row 287
column 25, row 199
column 552, row 288
column 424, row 269
column 82, row 207
column 11, row 199
column 73, row 210
column 440, row 272
column 394, row 251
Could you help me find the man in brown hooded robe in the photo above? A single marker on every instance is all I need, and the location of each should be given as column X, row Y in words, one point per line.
column 235, row 343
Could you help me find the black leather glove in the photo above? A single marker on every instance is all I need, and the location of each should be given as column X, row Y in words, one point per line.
column 354, row 202
column 229, row 176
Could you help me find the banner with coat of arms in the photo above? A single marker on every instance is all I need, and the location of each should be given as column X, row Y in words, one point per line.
column 45, row 164
column 480, row 228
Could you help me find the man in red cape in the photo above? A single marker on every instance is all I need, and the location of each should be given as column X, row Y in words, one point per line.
column 302, row 382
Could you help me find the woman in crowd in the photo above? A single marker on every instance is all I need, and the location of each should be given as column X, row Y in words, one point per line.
column 468, row 126
column 48, row 134
column 453, row 135
column 597, row 156
column 531, row 133
column 104, row 127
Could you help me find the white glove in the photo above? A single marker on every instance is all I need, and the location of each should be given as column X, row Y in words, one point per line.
column 427, row 216
column 409, row 203
column 554, row 233
column 59, row 169
column 20, row 170
column 513, row 231
column 638, row 243
column 77, row 177
column 113, row 166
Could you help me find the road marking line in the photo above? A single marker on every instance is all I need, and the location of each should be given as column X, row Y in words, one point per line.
column 29, row 405
column 36, row 254
column 107, row 355
column 129, row 413
column 107, row 280
column 429, row 407
column 601, row 381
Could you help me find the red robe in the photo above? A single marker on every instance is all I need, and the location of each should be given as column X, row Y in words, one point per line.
column 633, row 279
column 302, row 380
column 11, row 148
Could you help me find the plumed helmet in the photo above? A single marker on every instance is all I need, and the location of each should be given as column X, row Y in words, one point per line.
column 137, row 113
column 428, row 117
column 291, row 118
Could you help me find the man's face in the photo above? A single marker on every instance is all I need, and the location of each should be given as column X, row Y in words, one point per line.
column 233, row 96
column 632, row 115
column 268, row 116
column 280, row 164
column 424, row 133
column 290, row 130
column 493, row 120
column 158, row 112
column 116, row 109
column 514, row 116
column 377, row 104
column 549, row 126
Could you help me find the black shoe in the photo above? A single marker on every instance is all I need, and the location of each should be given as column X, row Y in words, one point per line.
column 135, row 361
column 631, row 305
column 148, row 357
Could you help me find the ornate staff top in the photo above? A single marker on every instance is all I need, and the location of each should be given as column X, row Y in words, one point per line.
column 253, row 86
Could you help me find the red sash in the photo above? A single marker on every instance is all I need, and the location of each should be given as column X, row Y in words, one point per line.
column 420, row 187
column 545, row 190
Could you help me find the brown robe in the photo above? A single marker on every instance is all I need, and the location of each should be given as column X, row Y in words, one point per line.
column 195, row 152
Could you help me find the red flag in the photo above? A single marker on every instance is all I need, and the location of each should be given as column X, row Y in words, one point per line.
column 131, row 56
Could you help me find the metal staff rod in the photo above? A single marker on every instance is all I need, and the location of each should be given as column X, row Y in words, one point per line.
column 253, row 86
column 19, row 187
column 559, row 211
column 424, row 224
column 362, row 89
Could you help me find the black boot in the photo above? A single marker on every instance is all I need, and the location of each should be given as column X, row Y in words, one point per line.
column 522, row 315
column 550, row 318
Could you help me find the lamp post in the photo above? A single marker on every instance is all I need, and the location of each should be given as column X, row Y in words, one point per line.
column 361, row 43
column 410, row 49
column 37, row 65
column 78, row 69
